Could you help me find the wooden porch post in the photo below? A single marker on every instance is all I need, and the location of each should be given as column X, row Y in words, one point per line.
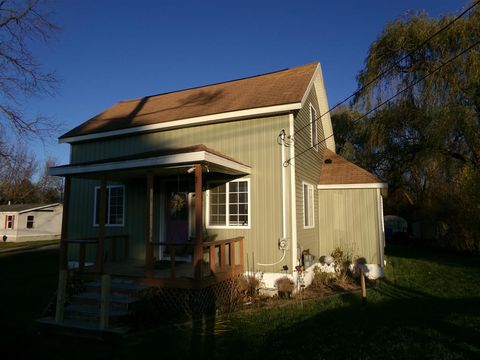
column 64, row 236
column 101, row 225
column 149, row 237
column 198, row 249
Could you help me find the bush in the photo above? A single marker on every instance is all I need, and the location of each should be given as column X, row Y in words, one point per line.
column 285, row 287
column 248, row 286
column 322, row 278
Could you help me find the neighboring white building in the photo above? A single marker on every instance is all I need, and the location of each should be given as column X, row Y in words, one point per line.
column 29, row 222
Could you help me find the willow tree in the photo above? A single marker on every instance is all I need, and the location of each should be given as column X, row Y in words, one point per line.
column 426, row 141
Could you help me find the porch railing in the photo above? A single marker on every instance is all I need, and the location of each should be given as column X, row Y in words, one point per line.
column 220, row 257
column 111, row 252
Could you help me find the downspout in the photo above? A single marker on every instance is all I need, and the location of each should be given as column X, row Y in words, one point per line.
column 284, row 199
column 381, row 229
column 284, row 206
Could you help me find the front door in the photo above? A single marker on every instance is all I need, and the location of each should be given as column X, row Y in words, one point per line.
column 177, row 224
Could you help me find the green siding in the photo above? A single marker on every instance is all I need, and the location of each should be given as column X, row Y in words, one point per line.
column 252, row 142
column 348, row 219
column 307, row 169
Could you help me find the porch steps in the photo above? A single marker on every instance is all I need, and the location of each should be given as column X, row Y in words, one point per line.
column 82, row 314
column 80, row 328
column 96, row 297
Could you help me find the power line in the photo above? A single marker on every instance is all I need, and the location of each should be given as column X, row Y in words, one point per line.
column 287, row 162
column 410, row 53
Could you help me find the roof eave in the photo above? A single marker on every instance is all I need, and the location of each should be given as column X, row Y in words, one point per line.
column 157, row 161
column 207, row 119
column 378, row 185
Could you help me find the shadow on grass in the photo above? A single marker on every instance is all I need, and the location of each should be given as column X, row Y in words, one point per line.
column 399, row 321
column 398, row 328
column 439, row 256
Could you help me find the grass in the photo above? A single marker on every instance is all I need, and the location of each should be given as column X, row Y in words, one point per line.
column 427, row 307
column 27, row 244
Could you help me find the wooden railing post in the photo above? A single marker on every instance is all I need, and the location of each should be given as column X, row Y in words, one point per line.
column 149, row 241
column 223, row 258
column 232, row 255
column 212, row 258
column 101, row 225
column 362, row 283
column 105, row 302
column 240, row 245
column 198, row 249
column 61, row 294
column 64, row 236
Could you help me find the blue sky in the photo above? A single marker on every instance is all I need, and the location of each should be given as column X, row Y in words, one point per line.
column 112, row 50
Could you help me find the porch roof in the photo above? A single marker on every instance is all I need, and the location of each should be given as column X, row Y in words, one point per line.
column 166, row 158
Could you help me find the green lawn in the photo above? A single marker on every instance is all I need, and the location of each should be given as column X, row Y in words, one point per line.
column 26, row 244
column 427, row 307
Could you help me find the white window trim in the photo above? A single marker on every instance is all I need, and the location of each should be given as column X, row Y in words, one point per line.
column 108, row 207
column 10, row 221
column 313, row 139
column 227, row 209
column 33, row 222
column 310, row 187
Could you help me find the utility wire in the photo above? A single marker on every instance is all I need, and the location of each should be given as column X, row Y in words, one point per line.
column 287, row 162
column 410, row 53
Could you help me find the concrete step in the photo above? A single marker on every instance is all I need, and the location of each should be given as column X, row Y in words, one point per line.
column 117, row 287
column 96, row 297
column 82, row 310
column 81, row 328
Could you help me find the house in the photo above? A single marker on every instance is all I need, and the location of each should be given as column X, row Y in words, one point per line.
column 224, row 178
column 29, row 222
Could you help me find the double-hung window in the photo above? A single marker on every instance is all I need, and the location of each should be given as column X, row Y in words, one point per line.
column 115, row 206
column 228, row 205
column 308, row 206
column 30, row 220
column 9, row 221
column 314, row 131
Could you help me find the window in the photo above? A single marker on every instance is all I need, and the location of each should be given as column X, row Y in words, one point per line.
column 115, row 205
column 9, row 221
column 308, row 206
column 313, row 122
column 30, row 219
column 228, row 205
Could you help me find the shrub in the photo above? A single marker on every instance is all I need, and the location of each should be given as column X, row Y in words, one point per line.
column 285, row 287
column 248, row 286
column 322, row 278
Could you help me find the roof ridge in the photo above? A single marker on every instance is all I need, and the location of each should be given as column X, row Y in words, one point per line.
column 216, row 83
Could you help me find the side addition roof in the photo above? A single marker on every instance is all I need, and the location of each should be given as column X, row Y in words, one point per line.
column 338, row 172
column 270, row 93
column 21, row 208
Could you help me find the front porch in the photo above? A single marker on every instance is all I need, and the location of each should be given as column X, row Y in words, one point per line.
column 192, row 262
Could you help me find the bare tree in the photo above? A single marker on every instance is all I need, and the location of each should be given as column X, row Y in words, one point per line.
column 17, row 170
column 23, row 22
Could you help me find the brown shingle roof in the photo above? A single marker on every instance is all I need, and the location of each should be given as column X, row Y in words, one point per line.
column 22, row 207
column 277, row 88
column 342, row 171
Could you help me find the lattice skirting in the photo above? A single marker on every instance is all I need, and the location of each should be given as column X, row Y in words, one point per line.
column 160, row 304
